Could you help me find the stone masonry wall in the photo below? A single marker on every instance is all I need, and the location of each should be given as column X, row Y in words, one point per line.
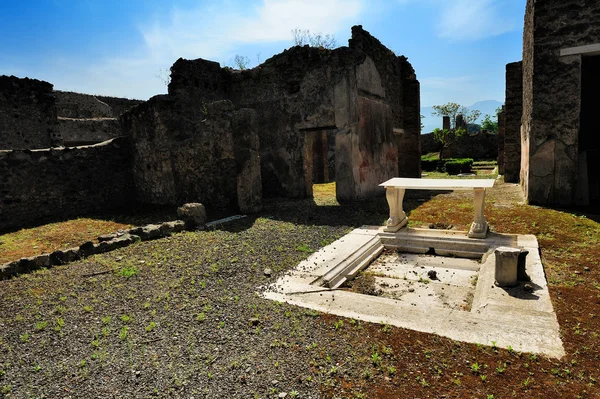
column 551, row 100
column 80, row 106
column 75, row 132
column 183, row 151
column 513, row 109
column 27, row 114
column 526, row 118
column 501, row 141
column 479, row 146
column 50, row 184
column 306, row 89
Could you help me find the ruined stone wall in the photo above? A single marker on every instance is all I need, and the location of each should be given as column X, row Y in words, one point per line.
column 526, row 118
column 306, row 89
column 553, row 85
column 74, row 132
column 85, row 106
column 428, row 144
column 402, row 94
column 51, row 184
column 87, row 119
column 501, row 141
column 184, row 151
column 479, row 146
column 27, row 114
column 513, row 109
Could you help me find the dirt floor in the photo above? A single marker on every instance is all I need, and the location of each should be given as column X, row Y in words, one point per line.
column 181, row 317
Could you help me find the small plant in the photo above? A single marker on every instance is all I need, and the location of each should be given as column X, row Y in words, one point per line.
column 501, row 369
column 376, row 359
column 303, row 248
column 88, row 308
column 201, row 316
column 150, row 326
column 386, row 328
column 391, row 370
column 123, row 333
column 339, row 324
column 41, row 325
column 105, row 319
column 126, row 318
column 60, row 323
column 24, row 337
column 475, row 367
column 128, row 271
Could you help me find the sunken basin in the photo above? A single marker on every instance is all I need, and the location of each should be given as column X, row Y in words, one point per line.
column 434, row 281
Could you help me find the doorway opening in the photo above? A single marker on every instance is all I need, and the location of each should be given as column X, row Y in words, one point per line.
column 319, row 162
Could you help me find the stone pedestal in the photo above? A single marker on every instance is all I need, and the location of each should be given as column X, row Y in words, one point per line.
column 397, row 219
column 507, row 259
column 479, row 227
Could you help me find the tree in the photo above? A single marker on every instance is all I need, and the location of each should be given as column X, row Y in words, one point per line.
column 302, row 37
column 446, row 137
column 452, row 110
column 489, row 125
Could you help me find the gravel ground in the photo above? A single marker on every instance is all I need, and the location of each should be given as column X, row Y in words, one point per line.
column 176, row 317
column 181, row 317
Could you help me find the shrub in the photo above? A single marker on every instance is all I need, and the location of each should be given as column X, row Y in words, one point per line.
column 429, row 165
column 456, row 166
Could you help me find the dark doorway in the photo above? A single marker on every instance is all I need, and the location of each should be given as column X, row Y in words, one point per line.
column 588, row 192
column 319, row 157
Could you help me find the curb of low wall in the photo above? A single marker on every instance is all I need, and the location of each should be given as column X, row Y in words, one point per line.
column 106, row 243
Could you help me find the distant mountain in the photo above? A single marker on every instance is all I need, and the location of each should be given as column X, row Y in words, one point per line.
column 431, row 122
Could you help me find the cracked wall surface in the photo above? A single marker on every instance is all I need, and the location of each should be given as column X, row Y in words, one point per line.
column 552, row 96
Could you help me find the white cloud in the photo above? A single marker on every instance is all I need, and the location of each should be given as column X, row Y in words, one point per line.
column 211, row 32
column 470, row 20
column 473, row 19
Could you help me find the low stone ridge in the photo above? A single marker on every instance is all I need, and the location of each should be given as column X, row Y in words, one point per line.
column 107, row 243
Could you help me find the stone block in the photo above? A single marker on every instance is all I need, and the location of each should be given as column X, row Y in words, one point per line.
column 86, row 249
column 150, row 232
column 193, row 214
column 168, row 228
column 507, row 259
column 107, row 237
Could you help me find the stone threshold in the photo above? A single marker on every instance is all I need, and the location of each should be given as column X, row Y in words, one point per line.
column 521, row 318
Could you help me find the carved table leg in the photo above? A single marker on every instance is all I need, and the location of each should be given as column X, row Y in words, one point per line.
column 398, row 218
column 479, row 227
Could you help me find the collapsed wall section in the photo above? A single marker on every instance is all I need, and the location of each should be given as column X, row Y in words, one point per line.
column 52, row 184
column 27, row 114
column 195, row 152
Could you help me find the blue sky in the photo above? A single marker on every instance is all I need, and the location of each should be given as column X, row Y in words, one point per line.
column 458, row 48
